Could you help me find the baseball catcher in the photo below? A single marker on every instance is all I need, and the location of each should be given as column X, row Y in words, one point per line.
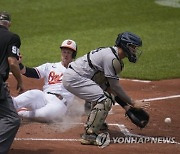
column 81, row 79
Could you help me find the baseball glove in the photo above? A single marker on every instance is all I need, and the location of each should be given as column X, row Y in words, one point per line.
column 139, row 117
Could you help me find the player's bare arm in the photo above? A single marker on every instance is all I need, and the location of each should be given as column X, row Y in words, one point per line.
column 119, row 91
column 14, row 67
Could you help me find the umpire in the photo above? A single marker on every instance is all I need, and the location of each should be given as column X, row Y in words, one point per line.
column 9, row 54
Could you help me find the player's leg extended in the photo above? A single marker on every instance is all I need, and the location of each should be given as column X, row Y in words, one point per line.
column 54, row 110
column 31, row 99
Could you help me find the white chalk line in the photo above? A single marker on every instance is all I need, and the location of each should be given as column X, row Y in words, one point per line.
column 47, row 139
column 135, row 80
column 158, row 98
column 126, row 132
column 122, row 128
column 161, row 98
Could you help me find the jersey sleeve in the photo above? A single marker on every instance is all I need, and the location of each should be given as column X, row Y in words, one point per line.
column 14, row 46
column 109, row 70
column 42, row 70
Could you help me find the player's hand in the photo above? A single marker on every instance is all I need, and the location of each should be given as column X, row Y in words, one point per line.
column 20, row 59
column 20, row 88
column 7, row 87
column 141, row 104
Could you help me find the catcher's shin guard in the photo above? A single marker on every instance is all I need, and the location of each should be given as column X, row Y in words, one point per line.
column 97, row 116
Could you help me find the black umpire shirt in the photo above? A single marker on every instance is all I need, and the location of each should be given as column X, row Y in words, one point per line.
column 9, row 47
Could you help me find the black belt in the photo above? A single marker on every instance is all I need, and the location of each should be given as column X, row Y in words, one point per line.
column 57, row 95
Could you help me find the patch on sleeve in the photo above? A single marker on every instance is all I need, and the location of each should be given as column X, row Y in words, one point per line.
column 117, row 65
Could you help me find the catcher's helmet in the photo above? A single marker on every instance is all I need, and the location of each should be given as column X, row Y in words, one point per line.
column 5, row 16
column 129, row 43
column 71, row 45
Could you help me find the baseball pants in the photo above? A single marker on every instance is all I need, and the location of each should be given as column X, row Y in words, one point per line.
column 9, row 120
column 82, row 87
column 40, row 106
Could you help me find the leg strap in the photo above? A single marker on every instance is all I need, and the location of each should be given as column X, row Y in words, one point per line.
column 97, row 116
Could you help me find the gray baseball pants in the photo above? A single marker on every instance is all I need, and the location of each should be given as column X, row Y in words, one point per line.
column 82, row 87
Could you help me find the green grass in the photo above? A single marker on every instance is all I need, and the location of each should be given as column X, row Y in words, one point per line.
column 44, row 24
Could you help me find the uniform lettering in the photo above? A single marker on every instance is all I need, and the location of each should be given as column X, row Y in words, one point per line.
column 54, row 78
column 94, row 51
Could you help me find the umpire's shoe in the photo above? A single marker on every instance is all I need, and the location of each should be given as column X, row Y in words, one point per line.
column 89, row 139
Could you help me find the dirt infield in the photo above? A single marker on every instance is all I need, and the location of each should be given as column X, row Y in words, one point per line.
column 63, row 137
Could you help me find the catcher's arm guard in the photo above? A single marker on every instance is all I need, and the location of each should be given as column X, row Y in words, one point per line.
column 137, row 116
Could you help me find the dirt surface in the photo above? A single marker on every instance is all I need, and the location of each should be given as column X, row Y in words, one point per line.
column 63, row 137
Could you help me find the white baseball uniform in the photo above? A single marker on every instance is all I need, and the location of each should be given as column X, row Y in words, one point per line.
column 40, row 105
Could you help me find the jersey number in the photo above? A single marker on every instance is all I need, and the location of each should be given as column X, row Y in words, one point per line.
column 15, row 50
column 94, row 51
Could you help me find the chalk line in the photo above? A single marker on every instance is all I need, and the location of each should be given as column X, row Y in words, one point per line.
column 157, row 98
column 47, row 139
column 122, row 128
column 126, row 132
column 136, row 80
column 161, row 98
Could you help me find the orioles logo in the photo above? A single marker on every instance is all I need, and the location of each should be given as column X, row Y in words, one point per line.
column 54, row 78
column 69, row 42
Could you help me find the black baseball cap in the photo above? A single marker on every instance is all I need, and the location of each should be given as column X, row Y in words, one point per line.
column 5, row 16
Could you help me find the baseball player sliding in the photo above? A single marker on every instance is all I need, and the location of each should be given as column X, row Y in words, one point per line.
column 51, row 103
column 86, row 78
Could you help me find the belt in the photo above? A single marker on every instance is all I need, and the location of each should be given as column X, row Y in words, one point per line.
column 57, row 95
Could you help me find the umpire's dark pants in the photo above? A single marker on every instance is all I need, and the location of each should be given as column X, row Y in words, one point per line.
column 9, row 120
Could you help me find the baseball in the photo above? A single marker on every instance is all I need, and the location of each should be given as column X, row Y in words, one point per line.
column 167, row 120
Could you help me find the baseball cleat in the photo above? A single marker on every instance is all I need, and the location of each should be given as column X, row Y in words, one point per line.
column 89, row 139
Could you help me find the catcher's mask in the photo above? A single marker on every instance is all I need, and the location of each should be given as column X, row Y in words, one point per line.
column 71, row 45
column 129, row 43
column 5, row 16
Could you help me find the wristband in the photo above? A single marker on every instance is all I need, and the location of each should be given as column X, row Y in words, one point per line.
column 21, row 66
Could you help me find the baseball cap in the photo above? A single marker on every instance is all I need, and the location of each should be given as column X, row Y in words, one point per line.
column 5, row 16
column 69, row 44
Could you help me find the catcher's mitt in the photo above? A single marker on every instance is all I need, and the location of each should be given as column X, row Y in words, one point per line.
column 138, row 116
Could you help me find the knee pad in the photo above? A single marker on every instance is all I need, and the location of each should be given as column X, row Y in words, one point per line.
column 87, row 107
column 97, row 116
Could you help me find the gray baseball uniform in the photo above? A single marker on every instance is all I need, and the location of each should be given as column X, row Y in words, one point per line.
column 96, row 65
